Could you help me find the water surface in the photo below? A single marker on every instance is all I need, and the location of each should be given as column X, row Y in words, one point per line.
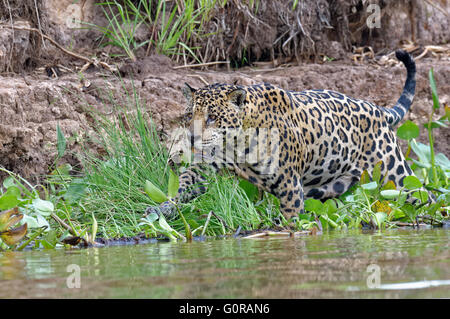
column 390, row 264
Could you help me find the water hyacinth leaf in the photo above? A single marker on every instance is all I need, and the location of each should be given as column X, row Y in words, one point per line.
column 408, row 130
column 423, row 153
column 154, row 192
column 390, row 193
column 13, row 236
column 330, row 206
column 433, row 87
column 152, row 217
column 31, row 221
column 42, row 222
column 412, row 182
column 397, row 214
column 442, row 161
column 173, row 184
column 370, row 186
column 43, row 207
column 8, row 201
column 313, row 205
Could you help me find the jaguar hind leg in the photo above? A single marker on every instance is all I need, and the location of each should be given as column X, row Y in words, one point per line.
column 336, row 187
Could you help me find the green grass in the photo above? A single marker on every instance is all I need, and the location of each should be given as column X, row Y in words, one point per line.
column 174, row 26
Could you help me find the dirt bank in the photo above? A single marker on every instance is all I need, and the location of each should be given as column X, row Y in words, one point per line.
column 32, row 105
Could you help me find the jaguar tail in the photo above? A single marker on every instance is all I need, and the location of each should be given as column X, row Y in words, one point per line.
column 396, row 114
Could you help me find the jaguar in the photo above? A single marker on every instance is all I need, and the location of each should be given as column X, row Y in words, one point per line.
column 294, row 145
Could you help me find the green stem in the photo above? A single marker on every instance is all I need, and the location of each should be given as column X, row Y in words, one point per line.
column 433, row 164
column 186, row 225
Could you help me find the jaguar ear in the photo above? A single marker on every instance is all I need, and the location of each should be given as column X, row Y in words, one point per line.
column 188, row 91
column 237, row 97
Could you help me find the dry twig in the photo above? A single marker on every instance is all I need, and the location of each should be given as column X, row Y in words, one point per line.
column 56, row 44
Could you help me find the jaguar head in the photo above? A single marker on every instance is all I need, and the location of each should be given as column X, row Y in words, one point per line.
column 213, row 110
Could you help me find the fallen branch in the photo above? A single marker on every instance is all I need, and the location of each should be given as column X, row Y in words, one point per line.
column 63, row 224
column 199, row 65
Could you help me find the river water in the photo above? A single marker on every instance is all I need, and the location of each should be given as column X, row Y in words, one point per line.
column 388, row 264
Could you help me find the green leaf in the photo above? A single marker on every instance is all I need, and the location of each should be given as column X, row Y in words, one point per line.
column 31, row 221
column 421, row 195
column 173, row 184
column 151, row 218
column 370, row 186
column 154, row 192
column 434, row 93
column 423, row 153
column 390, row 193
column 435, row 124
column 397, row 214
column 43, row 207
column 13, row 191
column 376, row 174
column 250, row 190
column 8, row 201
column 330, row 206
column 75, row 191
column 8, row 182
column 313, row 205
column 60, row 141
column 412, row 182
column 408, row 130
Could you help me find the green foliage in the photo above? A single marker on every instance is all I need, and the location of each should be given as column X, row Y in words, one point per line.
column 174, row 25
column 408, row 130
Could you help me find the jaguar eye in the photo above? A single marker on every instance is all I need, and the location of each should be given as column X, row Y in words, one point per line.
column 187, row 117
column 211, row 119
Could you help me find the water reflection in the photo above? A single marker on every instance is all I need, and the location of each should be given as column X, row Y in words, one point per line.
column 327, row 266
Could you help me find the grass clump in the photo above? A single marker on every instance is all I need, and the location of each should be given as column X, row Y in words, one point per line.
column 174, row 25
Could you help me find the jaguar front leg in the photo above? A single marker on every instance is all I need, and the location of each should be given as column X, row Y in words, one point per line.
column 291, row 196
column 192, row 183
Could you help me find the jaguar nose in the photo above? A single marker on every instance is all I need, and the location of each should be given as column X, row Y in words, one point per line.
column 194, row 138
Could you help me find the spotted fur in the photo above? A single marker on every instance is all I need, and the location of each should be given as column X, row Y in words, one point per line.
column 326, row 139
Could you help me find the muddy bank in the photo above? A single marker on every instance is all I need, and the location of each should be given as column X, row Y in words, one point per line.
column 33, row 105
